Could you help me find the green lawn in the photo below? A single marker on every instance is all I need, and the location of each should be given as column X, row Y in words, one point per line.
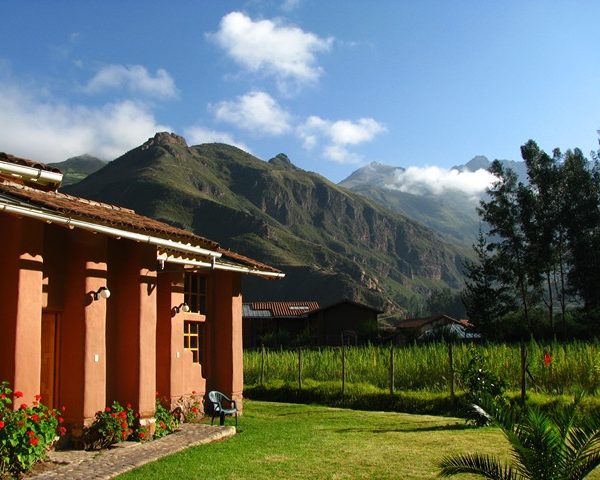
column 279, row 440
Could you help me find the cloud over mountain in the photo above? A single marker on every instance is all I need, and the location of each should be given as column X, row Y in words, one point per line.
column 438, row 181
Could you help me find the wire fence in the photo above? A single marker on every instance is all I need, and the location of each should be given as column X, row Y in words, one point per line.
column 554, row 367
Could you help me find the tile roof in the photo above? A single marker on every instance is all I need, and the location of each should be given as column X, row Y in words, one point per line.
column 284, row 309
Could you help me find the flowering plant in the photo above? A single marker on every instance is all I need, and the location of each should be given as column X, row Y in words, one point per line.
column 166, row 421
column 26, row 433
column 112, row 425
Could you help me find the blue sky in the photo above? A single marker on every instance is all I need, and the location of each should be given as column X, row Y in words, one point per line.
column 333, row 84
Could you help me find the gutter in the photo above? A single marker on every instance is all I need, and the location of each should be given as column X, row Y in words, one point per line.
column 219, row 266
column 114, row 232
column 38, row 175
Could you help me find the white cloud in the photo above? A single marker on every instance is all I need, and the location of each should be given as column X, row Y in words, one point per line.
column 267, row 46
column 196, row 135
column 338, row 135
column 256, row 112
column 134, row 78
column 51, row 131
column 438, row 181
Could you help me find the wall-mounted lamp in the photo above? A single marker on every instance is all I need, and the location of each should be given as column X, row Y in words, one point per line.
column 102, row 292
column 184, row 307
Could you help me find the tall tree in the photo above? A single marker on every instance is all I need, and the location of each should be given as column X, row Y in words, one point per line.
column 504, row 212
column 485, row 296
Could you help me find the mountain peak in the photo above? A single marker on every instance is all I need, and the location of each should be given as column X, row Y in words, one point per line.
column 282, row 160
column 165, row 138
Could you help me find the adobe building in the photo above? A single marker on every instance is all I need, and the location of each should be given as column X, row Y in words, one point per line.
column 101, row 304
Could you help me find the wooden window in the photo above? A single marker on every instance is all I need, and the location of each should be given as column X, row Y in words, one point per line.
column 195, row 292
column 191, row 339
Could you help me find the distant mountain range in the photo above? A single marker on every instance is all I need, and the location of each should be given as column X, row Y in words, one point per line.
column 331, row 243
column 452, row 215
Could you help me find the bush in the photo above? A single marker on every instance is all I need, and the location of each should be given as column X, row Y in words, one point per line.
column 166, row 421
column 26, row 434
column 112, row 425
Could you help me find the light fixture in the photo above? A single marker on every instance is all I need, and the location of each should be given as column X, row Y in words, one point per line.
column 184, row 307
column 102, row 292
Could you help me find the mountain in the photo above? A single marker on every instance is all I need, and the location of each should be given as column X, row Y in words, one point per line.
column 482, row 162
column 452, row 216
column 331, row 243
column 77, row 168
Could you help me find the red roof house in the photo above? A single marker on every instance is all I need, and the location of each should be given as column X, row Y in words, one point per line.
column 99, row 303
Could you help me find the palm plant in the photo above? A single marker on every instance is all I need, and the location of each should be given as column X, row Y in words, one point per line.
column 544, row 447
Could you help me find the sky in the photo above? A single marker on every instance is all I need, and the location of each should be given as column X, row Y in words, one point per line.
column 333, row 84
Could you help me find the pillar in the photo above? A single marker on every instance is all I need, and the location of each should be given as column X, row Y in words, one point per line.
column 21, row 303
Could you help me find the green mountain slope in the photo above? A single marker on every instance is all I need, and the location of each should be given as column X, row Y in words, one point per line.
column 330, row 242
column 75, row 169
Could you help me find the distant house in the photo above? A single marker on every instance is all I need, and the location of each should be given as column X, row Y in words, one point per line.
column 99, row 303
column 435, row 326
column 307, row 323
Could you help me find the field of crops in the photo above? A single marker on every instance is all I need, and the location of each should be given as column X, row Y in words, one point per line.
column 567, row 369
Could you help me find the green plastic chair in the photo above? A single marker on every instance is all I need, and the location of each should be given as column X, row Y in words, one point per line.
column 216, row 399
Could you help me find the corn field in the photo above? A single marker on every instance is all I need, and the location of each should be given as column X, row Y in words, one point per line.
column 570, row 367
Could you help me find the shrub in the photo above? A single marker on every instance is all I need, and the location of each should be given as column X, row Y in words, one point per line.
column 26, row 434
column 166, row 421
column 480, row 383
column 111, row 425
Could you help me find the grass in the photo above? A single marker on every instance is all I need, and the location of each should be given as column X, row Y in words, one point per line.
column 279, row 440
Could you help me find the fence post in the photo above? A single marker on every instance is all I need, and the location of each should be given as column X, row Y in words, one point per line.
column 452, row 375
column 392, row 368
column 262, row 365
column 299, row 368
column 343, row 368
column 523, row 372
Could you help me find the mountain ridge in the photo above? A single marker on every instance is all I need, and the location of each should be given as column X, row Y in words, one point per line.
column 331, row 242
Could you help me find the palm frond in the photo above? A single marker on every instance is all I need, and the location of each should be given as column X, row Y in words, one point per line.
column 483, row 465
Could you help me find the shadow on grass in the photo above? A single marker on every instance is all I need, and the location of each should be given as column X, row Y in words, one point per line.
column 416, row 428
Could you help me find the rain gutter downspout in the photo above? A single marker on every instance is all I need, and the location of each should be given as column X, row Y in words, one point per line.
column 116, row 232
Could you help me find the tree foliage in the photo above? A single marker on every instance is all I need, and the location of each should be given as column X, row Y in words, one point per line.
column 543, row 244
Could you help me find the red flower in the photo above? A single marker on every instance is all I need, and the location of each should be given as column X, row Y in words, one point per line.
column 547, row 359
column 33, row 441
column 124, row 425
column 38, row 398
column 129, row 405
column 63, row 409
column 35, row 417
column 107, row 409
column 30, row 433
column 23, row 406
column 141, row 434
column 195, row 409
column 123, row 414
column 61, row 419
column 114, row 415
column 1, row 424
column 162, row 425
column 18, row 394
column 2, row 395
column 62, row 431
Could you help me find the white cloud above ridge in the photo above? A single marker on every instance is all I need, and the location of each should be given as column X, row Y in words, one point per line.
column 133, row 78
column 197, row 134
column 285, row 52
column 255, row 112
column 439, row 181
column 338, row 135
column 49, row 131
